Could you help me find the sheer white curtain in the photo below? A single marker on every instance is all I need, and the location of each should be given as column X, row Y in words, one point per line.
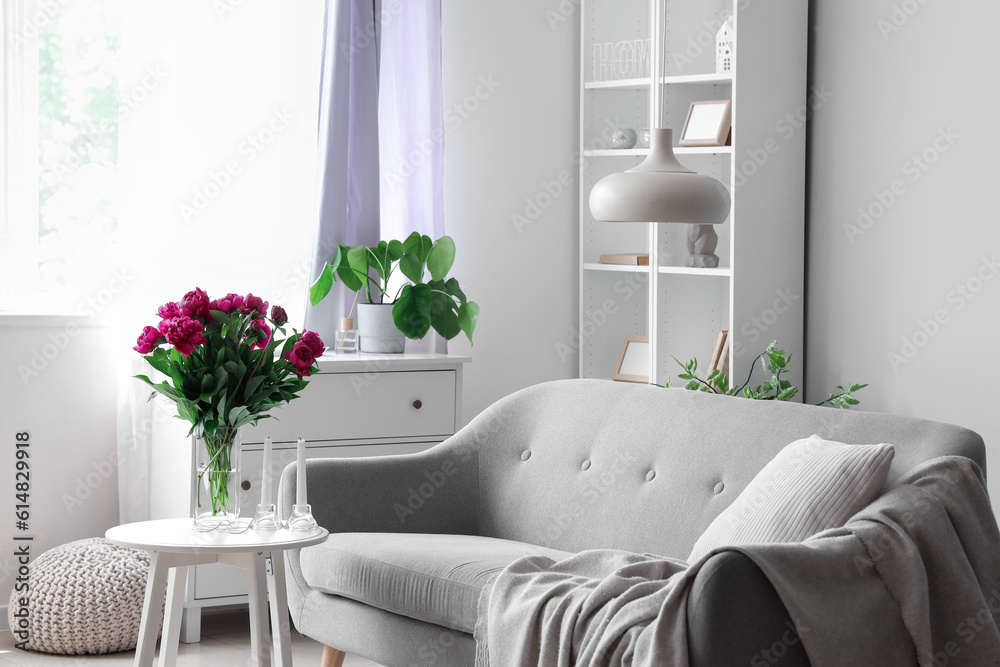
column 218, row 171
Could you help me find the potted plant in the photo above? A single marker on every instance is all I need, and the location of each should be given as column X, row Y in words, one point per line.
column 226, row 367
column 416, row 307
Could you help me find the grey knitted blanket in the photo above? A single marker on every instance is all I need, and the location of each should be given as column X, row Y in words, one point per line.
column 912, row 579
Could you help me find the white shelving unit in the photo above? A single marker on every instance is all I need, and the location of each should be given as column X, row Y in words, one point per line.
column 757, row 292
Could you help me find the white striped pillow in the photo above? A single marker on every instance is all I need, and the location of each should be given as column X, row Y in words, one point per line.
column 810, row 486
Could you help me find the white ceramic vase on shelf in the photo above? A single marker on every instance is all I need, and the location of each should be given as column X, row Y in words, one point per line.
column 377, row 331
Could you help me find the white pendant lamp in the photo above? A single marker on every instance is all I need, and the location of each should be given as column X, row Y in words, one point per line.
column 661, row 189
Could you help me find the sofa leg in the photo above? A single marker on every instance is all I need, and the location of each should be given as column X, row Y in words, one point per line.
column 332, row 657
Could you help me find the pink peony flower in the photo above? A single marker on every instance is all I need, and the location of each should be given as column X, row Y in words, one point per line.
column 195, row 304
column 263, row 333
column 254, row 304
column 146, row 342
column 278, row 315
column 168, row 311
column 184, row 334
column 227, row 304
column 302, row 357
column 315, row 343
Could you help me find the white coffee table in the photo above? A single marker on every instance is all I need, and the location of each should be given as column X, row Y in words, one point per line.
column 174, row 546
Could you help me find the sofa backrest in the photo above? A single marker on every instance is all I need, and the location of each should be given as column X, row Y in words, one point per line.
column 579, row 464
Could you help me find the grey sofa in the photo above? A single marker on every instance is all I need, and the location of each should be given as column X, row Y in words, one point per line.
column 555, row 469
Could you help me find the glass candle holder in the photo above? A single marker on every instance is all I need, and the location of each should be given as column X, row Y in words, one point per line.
column 345, row 340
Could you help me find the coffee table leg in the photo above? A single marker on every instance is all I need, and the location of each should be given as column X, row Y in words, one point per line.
column 149, row 628
column 176, row 583
column 279, row 609
column 260, row 634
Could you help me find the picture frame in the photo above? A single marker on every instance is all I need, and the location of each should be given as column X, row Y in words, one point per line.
column 633, row 361
column 708, row 123
column 720, row 344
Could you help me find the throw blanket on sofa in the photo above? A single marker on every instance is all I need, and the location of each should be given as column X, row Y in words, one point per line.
column 912, row 579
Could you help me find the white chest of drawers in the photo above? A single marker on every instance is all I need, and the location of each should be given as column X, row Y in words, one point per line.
column 357, row 405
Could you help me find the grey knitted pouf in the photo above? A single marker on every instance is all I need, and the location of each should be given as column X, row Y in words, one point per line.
column 84, row 597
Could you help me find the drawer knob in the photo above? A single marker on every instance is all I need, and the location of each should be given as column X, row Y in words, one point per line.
column 245, row 485
column 418, row 404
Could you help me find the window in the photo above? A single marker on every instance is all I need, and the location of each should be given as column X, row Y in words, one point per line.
column 60, row 148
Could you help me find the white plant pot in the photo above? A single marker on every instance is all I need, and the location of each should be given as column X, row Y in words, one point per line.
column 377, row 331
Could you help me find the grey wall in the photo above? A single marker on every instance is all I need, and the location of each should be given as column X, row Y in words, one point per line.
column 906, row 299
column 511, row 79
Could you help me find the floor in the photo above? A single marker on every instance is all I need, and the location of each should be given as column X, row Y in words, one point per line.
column 225, row 642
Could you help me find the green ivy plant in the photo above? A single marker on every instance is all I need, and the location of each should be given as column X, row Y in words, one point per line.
column 774, row 362
column 418, row 305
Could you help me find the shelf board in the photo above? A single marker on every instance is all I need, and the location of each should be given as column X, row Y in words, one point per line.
column 720, row 272
column 703, row 150
column 678, row 150
column 621, row 152
column 619, row 268
column 723, row 77
column 619, row 84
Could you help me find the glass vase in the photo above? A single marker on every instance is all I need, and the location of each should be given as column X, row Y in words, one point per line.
column 217, row 478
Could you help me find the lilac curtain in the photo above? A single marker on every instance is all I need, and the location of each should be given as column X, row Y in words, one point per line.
column 411, row 120
column 381, row 132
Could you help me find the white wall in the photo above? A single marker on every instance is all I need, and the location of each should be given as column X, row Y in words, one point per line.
column 901, row 82
column 58, row 384
column 511, row 79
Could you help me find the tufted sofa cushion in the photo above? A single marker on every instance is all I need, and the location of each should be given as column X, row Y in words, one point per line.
column 433, row 578
column 585, row 464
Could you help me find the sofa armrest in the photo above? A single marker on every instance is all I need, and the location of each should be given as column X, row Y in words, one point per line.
column 435, row 491
column 735, row 617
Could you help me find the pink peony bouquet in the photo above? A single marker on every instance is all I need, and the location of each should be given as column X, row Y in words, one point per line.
column 226, row 365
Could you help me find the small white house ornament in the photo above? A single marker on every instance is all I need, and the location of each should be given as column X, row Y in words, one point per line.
column 725, row 47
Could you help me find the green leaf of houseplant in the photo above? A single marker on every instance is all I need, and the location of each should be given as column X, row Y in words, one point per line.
column 412, row 311
column 378, row 257
column 412, row 267
column 444, row 313
column 396, row 250
column 441, row 257
column 322, row 286
column 419, row 245
column 357, row 260
column 468, row 315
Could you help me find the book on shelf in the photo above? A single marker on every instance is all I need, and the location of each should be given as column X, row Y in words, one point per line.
column 627, row 259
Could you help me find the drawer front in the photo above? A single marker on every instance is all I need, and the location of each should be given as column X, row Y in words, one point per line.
column 220, row 581
column 350, row 406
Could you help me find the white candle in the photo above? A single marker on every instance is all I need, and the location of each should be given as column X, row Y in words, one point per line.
column 265, row 476
column 300, row 480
